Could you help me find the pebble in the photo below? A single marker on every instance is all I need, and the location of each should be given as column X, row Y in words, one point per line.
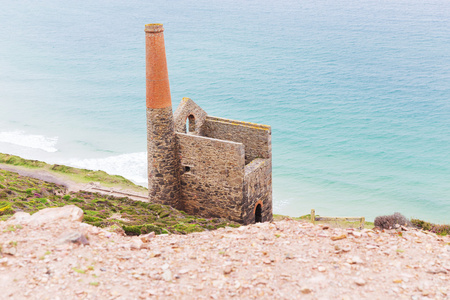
column 305, row 290
column 9, row 248
column 227, row 270
column 360, row 281
column 145, row 238
column 356, row 260
column 356, row 234
column 74, row 237
column 338, row 237
column 346, row 248
column 136, row 243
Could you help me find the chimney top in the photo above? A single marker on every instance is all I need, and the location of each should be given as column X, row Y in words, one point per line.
column 154, row 28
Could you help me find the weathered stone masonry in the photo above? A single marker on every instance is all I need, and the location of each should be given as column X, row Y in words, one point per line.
column 225, row 166
column 163, row 162
column 204, row 165
column 212, row 176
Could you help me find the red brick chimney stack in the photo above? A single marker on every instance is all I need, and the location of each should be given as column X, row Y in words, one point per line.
column 158, row 90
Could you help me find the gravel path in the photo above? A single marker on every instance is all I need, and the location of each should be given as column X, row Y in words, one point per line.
column 281, row 260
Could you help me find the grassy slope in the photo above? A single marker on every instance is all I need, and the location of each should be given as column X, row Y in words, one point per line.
column 341, row 224
column 20, row 193
column 74, row 174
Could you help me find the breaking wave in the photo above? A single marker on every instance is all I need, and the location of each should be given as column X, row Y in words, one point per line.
column 20, row 138
column 132, row 166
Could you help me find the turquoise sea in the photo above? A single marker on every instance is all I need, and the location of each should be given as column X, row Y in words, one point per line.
column 357, row 92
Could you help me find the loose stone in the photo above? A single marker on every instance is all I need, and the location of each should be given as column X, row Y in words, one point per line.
column 305, row 290
column 360, row 281
column 338, row 237
column 227, row 270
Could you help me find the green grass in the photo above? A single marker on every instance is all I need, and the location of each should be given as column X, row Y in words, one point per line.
column 334, row 223
column 20, row 193
column 78, row 270
column 74, row 174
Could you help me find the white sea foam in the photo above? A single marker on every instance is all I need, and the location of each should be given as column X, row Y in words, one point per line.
column 23, row 139
column 132, row 166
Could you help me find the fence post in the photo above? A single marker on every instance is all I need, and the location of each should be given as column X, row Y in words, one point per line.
column 313, row 216
column 363, row 221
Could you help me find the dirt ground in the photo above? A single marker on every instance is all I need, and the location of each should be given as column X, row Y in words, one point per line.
column 287, row 259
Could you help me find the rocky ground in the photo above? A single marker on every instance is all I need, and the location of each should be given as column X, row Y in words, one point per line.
column 52, row 255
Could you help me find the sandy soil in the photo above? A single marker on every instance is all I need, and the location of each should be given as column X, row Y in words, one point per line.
column 281, row 260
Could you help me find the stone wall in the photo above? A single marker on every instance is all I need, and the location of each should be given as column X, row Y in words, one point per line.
column 257, row 190
column 216, row 168
column 188, row 109
column 255, row 137
column 212, row 176
column 163, row 163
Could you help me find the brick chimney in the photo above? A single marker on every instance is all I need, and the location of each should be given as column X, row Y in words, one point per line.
column 163, row 163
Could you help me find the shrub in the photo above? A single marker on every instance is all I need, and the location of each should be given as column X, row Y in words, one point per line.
column 30, row 191
column 164, row 214
column 132, row 230
column 388, row 222
column 6, row 210
column 91, row 219
column 422, row 224
column 147, row 228
column 64, row 169
column 436, row 228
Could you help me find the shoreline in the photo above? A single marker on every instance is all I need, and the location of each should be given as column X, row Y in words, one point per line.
column 74, row 186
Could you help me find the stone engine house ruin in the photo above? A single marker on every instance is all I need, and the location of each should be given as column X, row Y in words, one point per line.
column 206, row 166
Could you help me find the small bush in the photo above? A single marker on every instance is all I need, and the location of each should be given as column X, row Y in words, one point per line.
column 64, row 169
column 436, row 228
column 30, row 191
column 132, row 230
column 76, row 200
column 6, row 210
column 91, row 219
column 147, row 228
column 388, row 222
column 164, row 214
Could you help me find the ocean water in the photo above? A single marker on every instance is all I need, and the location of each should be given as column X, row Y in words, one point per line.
column 357, row 92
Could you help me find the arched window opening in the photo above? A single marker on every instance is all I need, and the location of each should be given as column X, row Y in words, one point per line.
column 258, row 214
column 190, row 124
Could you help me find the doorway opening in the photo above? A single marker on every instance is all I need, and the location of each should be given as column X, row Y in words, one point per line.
column 258, row 214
